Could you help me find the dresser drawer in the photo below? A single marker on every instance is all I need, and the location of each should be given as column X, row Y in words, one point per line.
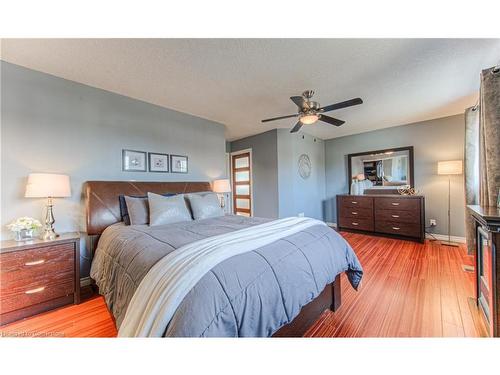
column 31, row 264
column 398, row 216
column 404, row 204
column 402, row 229
column 362, row 213
column 356, row 201
column 356, row 223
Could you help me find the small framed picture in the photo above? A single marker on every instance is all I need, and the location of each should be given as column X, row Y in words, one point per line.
column 134, row 161
column 178, row 164
column 158, row 162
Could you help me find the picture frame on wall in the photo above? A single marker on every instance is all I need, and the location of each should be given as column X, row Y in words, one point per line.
column 158, row 162
column 134, row 161
column 178, row 164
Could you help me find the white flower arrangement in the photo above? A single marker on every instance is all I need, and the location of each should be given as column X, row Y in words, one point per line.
column 24, row 223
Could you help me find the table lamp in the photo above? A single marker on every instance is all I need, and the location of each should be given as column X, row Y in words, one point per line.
column 47, row 185
column 221, row 187
column 448, row 168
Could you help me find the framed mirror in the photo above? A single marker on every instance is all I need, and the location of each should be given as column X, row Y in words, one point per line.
column 380, row 171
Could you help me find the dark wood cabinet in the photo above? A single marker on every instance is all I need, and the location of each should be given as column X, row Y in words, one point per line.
column 487, row 264
column 36, row 276
column 393, row 215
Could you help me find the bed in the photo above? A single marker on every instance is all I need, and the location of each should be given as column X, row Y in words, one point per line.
column 278, row 290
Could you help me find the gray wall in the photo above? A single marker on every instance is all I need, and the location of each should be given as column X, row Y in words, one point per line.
column 53, row 125
column 279, row 191
column 434, row 140
column 264, row 171
column 298, row 195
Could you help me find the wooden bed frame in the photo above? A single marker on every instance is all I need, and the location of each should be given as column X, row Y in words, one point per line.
column 103, row 210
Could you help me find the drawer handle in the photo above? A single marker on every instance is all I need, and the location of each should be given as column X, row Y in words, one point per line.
column 354, row 213
column 395, row 215
column 396, row 228
column 36, row 290
column 35, row 262
column 355, row 223
column 354, row 202
column 395, row 204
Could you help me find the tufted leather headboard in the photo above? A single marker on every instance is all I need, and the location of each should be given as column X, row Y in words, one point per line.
column 103, row 207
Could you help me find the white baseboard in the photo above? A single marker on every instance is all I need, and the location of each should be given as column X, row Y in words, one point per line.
column 441, row 237
column 444, row 237
column 85, row 281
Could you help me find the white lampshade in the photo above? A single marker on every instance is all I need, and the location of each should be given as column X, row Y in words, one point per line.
column 222, row 186
column 450, row 167
column 44, row 185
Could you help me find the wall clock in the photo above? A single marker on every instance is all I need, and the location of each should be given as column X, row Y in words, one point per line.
column 304, row 166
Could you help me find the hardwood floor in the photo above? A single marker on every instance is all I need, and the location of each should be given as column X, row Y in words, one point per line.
column 408, row 290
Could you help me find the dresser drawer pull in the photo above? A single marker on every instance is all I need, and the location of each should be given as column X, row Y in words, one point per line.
column 36, row 290
column 396, row 228
column 354, row 213
column 395, row 215
column 354, row 202
column 395, row 204
column 35, row 262
column 355, row 223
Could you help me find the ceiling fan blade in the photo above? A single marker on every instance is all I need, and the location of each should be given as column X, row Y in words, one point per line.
column 300, row 102
column 331, row 120
column 296, row 128
column 340, row 105
column 279, row 118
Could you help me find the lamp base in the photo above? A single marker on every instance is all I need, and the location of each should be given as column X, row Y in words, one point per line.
column 49, row 235
column 449, row 243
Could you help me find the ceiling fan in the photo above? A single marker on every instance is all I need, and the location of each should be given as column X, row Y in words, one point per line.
column 311, row 111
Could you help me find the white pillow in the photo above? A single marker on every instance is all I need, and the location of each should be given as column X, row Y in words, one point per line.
column 205, row 206
column 167, row 210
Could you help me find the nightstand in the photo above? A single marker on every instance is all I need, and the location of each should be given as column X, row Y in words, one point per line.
column 38, row 275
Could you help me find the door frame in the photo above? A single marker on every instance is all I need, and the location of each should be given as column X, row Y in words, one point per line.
column 239, row 152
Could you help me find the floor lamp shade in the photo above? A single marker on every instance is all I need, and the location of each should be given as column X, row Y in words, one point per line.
column 450, row 167
column 44, row 185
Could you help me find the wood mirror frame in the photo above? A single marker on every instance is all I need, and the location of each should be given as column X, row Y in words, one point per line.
column 411, row 178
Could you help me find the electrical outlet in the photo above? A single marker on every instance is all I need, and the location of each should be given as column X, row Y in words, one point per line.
column 301, row 214
column 433, row 222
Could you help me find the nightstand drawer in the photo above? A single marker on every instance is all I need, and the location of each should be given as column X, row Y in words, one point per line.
column 24, row 293
column 31, row 264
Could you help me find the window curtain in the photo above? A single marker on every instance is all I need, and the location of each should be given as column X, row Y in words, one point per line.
column 471, row 170
column 489, row 137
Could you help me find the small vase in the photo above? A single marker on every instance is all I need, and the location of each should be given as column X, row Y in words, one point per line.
column 24, row 235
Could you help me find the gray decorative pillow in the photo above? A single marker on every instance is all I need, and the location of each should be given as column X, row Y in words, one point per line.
column 167, row 210
column 138, row 210
column 205, row 206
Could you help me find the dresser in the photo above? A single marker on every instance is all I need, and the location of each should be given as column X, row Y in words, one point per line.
column 487, row 264
column 37, row 276
column 398, row 216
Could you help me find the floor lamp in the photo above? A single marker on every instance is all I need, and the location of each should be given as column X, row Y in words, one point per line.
column 448, row 168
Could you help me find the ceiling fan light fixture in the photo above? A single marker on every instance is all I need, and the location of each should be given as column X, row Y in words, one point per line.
column 309, row 119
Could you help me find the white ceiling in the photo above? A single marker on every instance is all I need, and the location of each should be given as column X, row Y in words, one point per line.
column 238, row 82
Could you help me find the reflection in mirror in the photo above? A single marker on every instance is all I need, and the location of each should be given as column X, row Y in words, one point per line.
column 380, row 172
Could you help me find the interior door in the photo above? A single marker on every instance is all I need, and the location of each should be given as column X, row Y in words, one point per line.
column 242, row 184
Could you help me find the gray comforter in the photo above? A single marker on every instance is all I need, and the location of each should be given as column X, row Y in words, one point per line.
column 252, row 294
